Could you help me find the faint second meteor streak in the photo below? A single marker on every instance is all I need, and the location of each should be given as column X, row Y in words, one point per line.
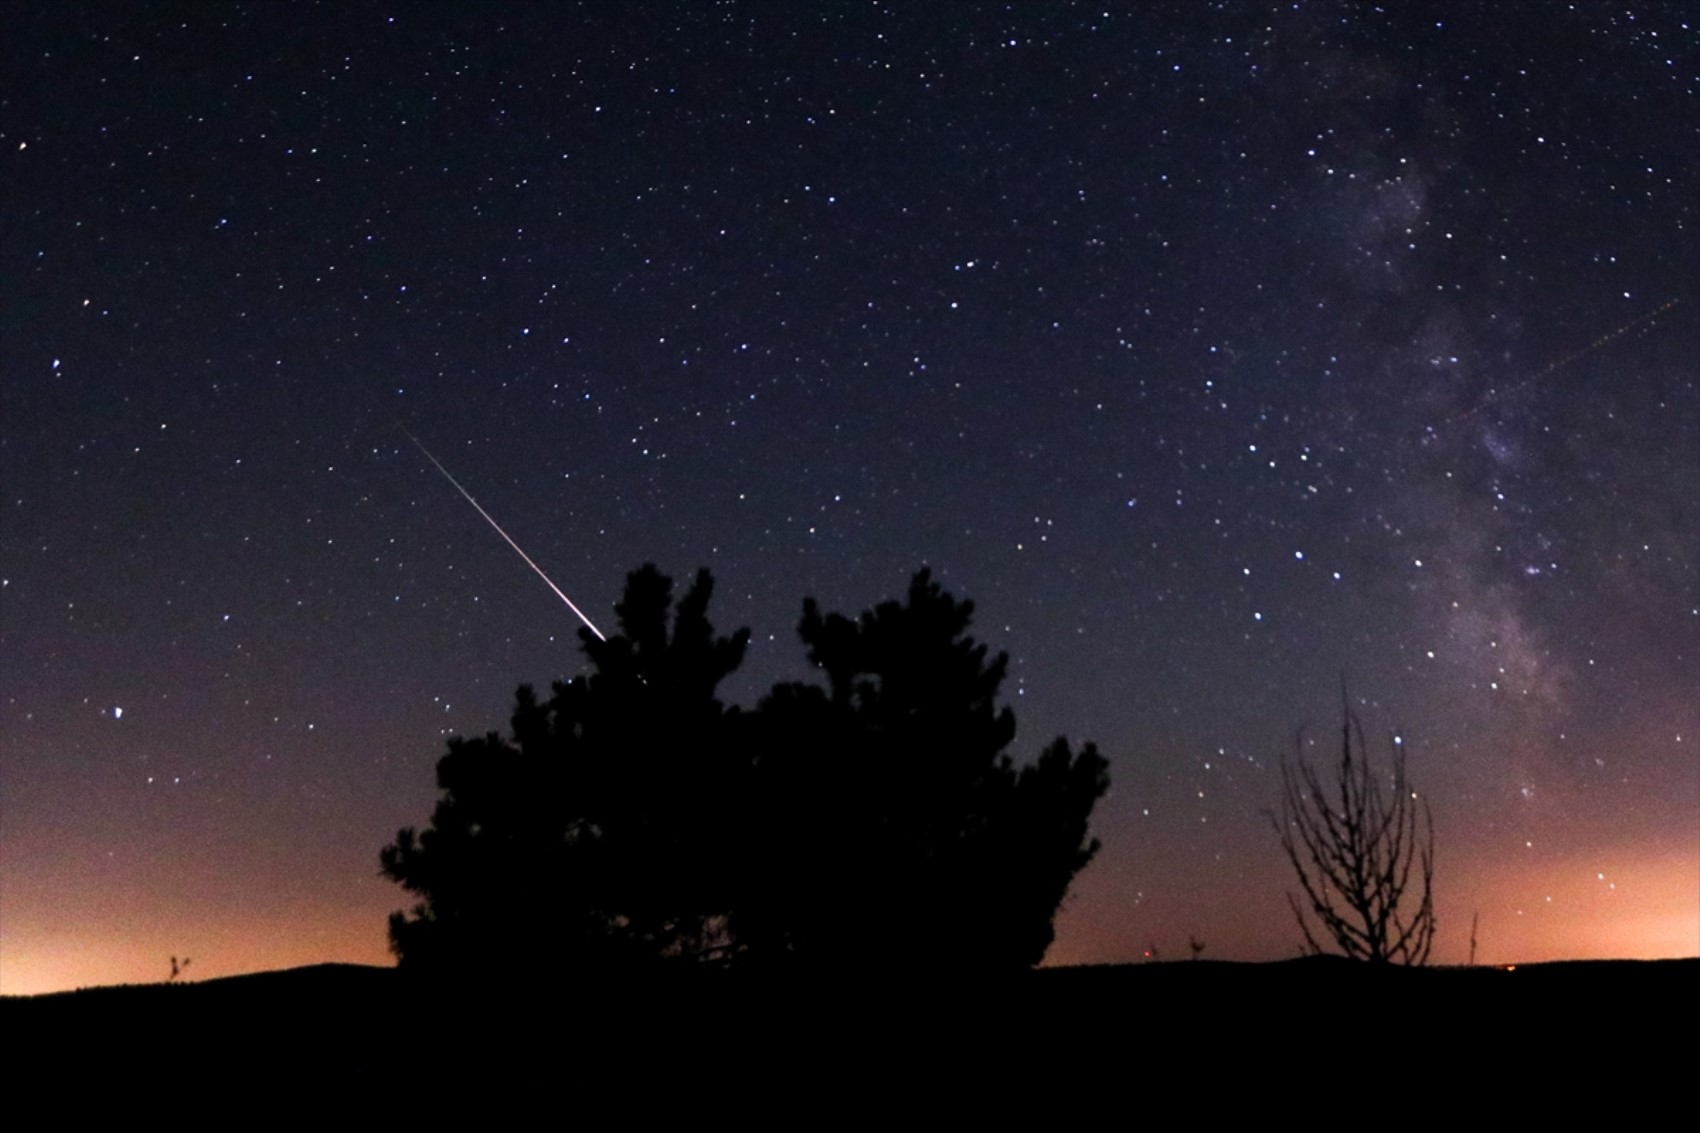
column 559, row 593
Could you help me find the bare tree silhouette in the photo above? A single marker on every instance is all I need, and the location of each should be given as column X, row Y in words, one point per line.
column 1364, row 858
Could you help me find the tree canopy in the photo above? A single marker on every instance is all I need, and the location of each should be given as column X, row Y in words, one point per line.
column 593, row 832
column 912, row 837
column 633, row 817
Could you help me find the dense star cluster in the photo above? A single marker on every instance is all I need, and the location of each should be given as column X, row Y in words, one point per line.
column 1216, row 352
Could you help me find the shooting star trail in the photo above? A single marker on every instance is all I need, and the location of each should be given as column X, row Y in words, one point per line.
column 559, row 593
column 1495, row 397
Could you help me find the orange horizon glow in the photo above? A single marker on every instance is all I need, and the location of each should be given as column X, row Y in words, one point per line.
column 1653, row 914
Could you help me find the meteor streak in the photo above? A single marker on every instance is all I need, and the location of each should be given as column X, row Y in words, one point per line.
column 1553, row 367
column 559, row 593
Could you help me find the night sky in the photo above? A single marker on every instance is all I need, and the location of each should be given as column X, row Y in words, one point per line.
column 1215, row 352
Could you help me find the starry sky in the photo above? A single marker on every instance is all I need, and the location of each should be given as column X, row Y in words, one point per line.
column 1215, row 351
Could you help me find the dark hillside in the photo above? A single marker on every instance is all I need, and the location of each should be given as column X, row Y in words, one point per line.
column 371, row 1029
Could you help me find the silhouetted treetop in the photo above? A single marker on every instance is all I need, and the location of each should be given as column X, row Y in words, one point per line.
column 689, row 662
column 910, row 671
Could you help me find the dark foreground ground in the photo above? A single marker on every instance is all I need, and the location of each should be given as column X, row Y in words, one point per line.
column 1213, row 1038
